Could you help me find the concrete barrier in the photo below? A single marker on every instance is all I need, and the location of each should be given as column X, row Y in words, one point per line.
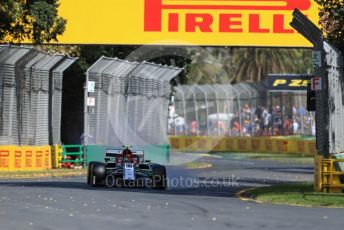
column 25, row 158
column 243, row 144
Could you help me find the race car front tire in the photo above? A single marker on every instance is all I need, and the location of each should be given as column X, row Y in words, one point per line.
column 159, row 177
column 96, row 173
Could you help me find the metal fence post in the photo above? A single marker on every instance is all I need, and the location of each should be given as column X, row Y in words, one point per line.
column 85, row 134
column 239, row 110
column 196, row 111
column 227, row 105
column 304, row 26
column 250, row 104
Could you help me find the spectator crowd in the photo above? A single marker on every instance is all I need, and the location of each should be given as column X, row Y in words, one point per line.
column 248, row 121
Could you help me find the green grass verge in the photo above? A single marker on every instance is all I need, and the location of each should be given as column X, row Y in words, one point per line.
column 283, row 158
column 51, row 173
column 296, row 194
column 296, row 137
column 197, row 165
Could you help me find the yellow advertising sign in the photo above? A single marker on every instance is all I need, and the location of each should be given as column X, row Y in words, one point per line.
column 185, row 22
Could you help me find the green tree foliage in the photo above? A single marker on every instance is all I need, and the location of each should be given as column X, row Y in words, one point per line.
column 230, row 65
column 163, row 55
column 332, row 21
column 254, row 64
column 209, row 65
column 89, row 54
column 203, row 65
column 33, row 21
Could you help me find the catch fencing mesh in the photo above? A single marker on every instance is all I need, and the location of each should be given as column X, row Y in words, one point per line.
column 335, row 100
column 30, row 96
column 131, row 102
column 245, row 109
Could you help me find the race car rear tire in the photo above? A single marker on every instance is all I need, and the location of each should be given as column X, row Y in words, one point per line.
column 96, row 173
column 159, row 177
column 89, row 174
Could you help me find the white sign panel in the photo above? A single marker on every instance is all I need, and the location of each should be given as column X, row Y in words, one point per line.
column 91, row 86
column 316, row 58
column 91, row 101
column 129, row 172
column 316, row 83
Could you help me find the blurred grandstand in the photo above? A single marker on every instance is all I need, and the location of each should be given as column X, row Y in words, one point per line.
column 245, row 109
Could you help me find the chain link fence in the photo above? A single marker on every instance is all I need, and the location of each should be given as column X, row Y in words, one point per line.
column 245, row 109
column 131, row 102
column 30, row 96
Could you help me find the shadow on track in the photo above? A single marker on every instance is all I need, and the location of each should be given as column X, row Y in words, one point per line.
column 205, row 185
column 203, row 189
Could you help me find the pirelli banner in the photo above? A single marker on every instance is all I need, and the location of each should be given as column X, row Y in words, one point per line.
column 185, row 22
column 25, row 158
column 288, row 82
column 243, row 144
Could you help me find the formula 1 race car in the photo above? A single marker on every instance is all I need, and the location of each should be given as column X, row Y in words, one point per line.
column 126, row 167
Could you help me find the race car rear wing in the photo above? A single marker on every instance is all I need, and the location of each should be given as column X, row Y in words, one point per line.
column 110, row 154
